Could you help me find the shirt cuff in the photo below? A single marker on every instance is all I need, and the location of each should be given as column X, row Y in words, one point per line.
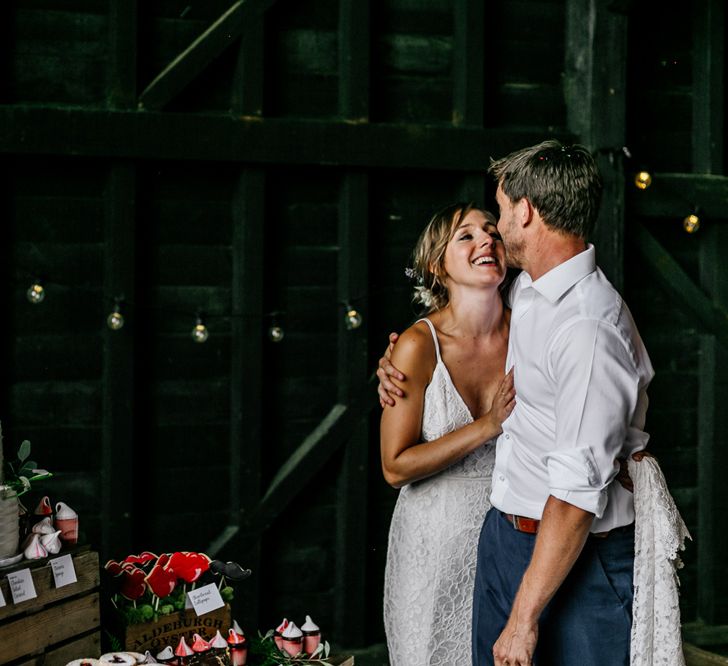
column 574, row 477
column 594, row 502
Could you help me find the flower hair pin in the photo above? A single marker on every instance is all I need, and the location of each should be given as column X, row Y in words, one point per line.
column 412, row 274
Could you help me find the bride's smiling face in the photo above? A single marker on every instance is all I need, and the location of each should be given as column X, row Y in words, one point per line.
column 475, row 255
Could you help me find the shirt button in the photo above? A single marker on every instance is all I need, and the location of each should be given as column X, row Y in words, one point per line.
column 501, row 477
column 508, row 436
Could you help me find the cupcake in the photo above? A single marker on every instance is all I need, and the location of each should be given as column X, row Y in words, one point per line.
column 292, row 639
column 166, row 656
column 83, row 662
column 183, row 652
column 278, row 633
column 311, row 635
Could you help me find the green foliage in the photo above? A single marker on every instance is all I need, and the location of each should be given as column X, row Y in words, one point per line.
column 21, row 473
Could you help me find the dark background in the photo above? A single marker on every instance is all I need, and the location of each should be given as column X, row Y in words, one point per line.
column 268, row 163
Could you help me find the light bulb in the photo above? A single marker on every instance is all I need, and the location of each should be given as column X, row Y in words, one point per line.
column 35, row 293
column 643, row 180
column 691, row 223
column 276, row 334
column 353, row 319
column 200, row 332
column 115, row 320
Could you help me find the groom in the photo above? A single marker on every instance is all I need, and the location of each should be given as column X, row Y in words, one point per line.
column 554, row 571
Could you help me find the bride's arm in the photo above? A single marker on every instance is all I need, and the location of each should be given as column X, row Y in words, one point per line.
column 404, row 457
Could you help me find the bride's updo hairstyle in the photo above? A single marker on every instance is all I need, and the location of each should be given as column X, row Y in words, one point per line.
column 428, row 257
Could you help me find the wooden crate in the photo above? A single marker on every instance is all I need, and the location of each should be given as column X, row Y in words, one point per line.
column 60, row 624
column 155, row 636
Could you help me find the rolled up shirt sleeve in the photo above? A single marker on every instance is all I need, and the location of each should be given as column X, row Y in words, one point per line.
column 597, row 389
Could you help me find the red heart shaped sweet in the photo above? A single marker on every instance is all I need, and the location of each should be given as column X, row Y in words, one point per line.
column 114, row 568
column 161, row 580
column 132, row 583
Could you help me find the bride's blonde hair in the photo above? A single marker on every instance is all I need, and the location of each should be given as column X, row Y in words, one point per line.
column 428, row 257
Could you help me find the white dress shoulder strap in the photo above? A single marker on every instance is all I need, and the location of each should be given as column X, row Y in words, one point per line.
column 434, row 337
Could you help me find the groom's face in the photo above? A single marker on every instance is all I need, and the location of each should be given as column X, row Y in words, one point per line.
column 509, row 229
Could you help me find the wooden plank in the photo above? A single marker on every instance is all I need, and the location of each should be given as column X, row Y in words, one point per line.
column 246, row 383
column 122, row 67
column 694, row 656
column 707, row 157
column 354, row 59
column 164, row 136
column 86, row 565
column 468, row 63
column 247, row 92
column 118, row 363
column 673, row 279
column 25, row 635
column 203, row 50
column 353, row 362
column 595, row 90
column 86, row 646
column 675, row 195
column 708, row 85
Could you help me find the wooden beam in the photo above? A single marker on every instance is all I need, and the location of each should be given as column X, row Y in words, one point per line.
column 354, row 48
column 220, row 137
column 352, row 367
column 122, row 64
column 595, row 91
column 469, row 82
column 201, row 52
column 675, row 195
column 673, row 279
column 468, row 63
column 117, row 445
column 708, row 85
column 246, row 372
column 247, row 93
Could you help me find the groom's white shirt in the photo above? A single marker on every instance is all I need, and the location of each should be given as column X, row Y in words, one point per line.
column 581, row 374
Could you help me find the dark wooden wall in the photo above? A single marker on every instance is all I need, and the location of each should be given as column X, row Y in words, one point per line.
column 270, row 163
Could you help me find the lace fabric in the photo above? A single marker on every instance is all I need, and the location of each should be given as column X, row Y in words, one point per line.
column 660, row 534
column 433, row 538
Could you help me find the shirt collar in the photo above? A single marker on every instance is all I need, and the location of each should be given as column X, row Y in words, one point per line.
column 554, row 284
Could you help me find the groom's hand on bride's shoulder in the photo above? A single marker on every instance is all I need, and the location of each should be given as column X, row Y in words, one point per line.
column 385, row 371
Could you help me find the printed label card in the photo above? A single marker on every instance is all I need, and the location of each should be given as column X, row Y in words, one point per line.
column 2, row 599
column 21, row 586
column 206, row 599
column 64, row 573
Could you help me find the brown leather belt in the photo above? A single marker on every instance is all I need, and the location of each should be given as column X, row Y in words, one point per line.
column 530, row 525
column 523, row 524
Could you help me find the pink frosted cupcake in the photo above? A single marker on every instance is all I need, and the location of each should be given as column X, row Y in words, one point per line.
column 238, row 648
column 292, row 639
column 311, row 635
column 278, row 633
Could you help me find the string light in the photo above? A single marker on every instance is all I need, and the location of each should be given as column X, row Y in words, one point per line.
column 353, row 318
column 642, row 180
column 35, row 293
column 691, row 223
column 200, row 332
column 115, row 321
column 275, row 331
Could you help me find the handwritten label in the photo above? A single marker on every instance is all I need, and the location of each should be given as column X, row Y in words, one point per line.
column 64, row 573
column 206, row 599
column 2, row 599
column 21, row 586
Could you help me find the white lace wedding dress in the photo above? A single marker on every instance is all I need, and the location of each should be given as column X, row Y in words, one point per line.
column 433, row 540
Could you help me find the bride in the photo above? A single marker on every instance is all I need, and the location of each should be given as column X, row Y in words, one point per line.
column 438, row 439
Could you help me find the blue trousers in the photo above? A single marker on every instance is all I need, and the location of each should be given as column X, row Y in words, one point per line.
column 587, row 623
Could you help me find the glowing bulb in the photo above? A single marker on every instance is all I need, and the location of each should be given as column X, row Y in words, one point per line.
column 691, row 223
column 115, row 320
column 643, row 180
column 276, row 334
column 353, row 319
column 35, row 293
column 200, row 332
